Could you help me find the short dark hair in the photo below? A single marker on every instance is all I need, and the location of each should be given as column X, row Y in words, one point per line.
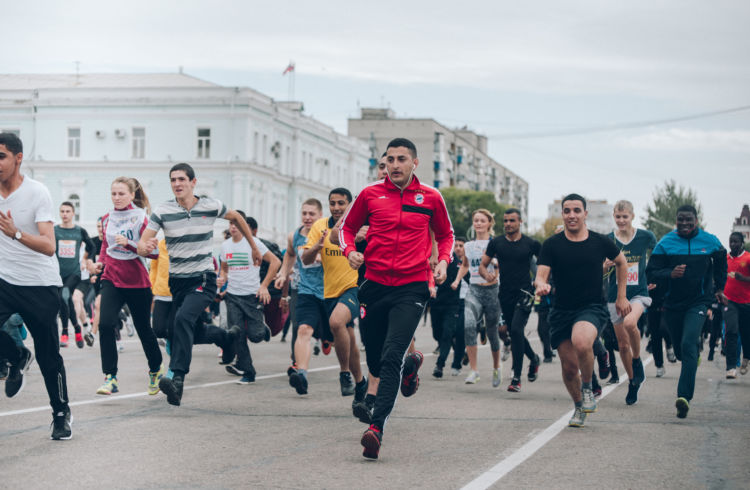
column 513, row 210
column 69, row 204
column 395, row 143
column 184, row 167
column 241, row 213
column 341, row 191
column 573, row 197
column 12, row 142
column 738, row 235
column 687, row 208
column 460, row 239
column 251, row 223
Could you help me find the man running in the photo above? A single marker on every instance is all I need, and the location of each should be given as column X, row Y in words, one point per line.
column 400, row 211
column 515, row 253
column 635, row 244
column 579, row 311
column 737, row 314
column 188, row 224
column 29, row 281
column 340, row 294
column 688, row 258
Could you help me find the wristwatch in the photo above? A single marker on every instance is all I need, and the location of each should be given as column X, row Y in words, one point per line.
column 17, row 236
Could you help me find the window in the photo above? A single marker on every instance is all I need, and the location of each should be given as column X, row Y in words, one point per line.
column 204, row 143
column 255, row 147
column 75, row 200
column 139, row 142
column 74, row 142
column 264, row 155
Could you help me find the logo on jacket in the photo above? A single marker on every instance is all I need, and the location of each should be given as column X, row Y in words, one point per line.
column 419, row 198
column 362, row 312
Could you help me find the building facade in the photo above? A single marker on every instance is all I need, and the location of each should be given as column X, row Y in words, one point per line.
column 448, row 157
column 742, row 222
column 254, row 153
column 599, row 219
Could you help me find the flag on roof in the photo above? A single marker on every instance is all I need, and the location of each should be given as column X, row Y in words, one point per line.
column 290, row 67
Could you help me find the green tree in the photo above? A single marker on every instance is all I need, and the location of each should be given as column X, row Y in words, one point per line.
column 461, row 203
column 662, row 212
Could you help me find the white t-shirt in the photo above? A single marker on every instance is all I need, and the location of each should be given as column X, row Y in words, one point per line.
column 474, row 251
column 243, row 278
column 30, row 204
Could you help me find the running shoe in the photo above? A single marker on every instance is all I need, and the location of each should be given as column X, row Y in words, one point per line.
column 603, row 361
column 506, row 353
column 711, row 355
column 410, row 375
column 64, row 340
column 61, row 422
column 172, row 387
column 371, row 441
column 437, row 372
column 291, row 369
column 682, row 406
column 360, row 390
column 3, row 369
column 233, row 369
column 129, row 326
column 326, row 347
column 597, row 390
column 347, row 383
column 436, row 351
column 743, row 366
column 534, row 369
column 465, row 359
column 578, row 418
column 589, row 401
column 17, row 374
column 515, row 385
column 245, row 380
column 455, row 371
column 316, row 347
column 613, row 380
column 547, row 360
column 153, row 380
column 89, row 338
column 472, row 378
column 496, row 378
column 298, row 381
column 79, row 340
column 483, row 334
column 109, row 386
column 633, row 388
column 731, row 373
column 670, row 355
column 639, row 374
column 660, row 372
column 120, row 346
column 363, row 410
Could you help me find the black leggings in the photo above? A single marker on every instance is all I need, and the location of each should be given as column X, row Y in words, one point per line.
column 67, row 309
column 517, row 315
column 139, row 302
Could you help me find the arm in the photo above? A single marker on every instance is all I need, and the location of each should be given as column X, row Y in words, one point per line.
column 238, row 221
column 541, row 282
column 282, row 278
column 314, row 245
column 43, row 243
column 622, row 304
column 461, row 273
column 273, row 267
column 441, row 226
column 490, row 278
column 352, row 221
column 146, row 244
column 222, row 279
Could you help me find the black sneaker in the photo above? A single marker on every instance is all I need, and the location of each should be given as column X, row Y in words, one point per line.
column 228, row 350
column 437, row 372
column 360, row 390
column 633, row 388
column 410, row 376
column 534, row 369
column 604, row 368
column 639, row 375
column 613, row 380
column 172, row 388
column 547, row 360
column 89, row 338
column 298, row 381
column 3, row 369
column 515, row 385
column 682, row 406
column 61, row 422
column 371, row 440
column 347, row 383
column 465, row 360
column 233, row 369
column 711, row 355
column 363, row 410
column 16, row 379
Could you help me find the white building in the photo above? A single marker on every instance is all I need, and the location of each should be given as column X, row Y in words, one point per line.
column 599, row 219
column 255, row 154
column 742, row 222
column 448, row 157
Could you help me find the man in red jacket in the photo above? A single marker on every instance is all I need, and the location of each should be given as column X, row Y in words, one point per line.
column 400, row 211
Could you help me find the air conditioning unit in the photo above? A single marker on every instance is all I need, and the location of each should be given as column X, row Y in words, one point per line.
column 120, row 133
column 100, row 134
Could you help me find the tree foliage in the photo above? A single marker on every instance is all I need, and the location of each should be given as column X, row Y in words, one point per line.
column 461, row 203
column 662, row 212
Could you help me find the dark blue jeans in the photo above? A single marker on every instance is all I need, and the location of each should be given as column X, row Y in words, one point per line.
column 444, row 320
column 685, row 329
column 737, row 318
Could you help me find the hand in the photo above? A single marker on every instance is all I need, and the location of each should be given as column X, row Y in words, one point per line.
column 440, row 273
column 279, row 282
column 220, row 281
column 491, row 280
column 622, row 305
column 361, row 234
column 92, row 279
column 731, row 274
column 257, row 257
column 148, row 246
column 542, row 288
column 322, row 239
column 608, row 263
column 433, row 292
column 7, row 225
column 433, row 262
column 651, row 286
column 454, row 285
column 284, row 304
column 97, row 268
column 121, row 240
column 678, row 271
column 263, row 295
column 356, row 259
column 721, row 298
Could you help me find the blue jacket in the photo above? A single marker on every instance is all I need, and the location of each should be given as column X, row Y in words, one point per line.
column 706, row 261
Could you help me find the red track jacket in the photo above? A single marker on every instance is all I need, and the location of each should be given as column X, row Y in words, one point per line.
column 398, row 240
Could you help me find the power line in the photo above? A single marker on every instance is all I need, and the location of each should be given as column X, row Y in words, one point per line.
column 615, row 126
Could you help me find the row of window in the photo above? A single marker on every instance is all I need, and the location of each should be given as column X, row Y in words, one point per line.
column 138, row 143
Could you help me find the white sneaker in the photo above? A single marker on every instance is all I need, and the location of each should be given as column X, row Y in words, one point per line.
column 472, row 378
column 455, row 372
column 671, row 357
column 120, row 346
column 743, row 367
column 506, row 353
column 496, row 378
column 660, row 371
column 731, row 374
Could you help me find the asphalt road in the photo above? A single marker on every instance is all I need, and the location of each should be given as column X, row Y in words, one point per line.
column 448, row 435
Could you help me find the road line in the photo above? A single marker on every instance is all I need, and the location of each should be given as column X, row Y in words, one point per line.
column 491, row 476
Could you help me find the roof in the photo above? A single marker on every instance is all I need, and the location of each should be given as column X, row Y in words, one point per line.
column 100, row 80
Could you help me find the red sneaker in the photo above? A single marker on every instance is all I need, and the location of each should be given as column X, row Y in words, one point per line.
column 79, row 340
column 326, row 347
column 410, row 378
column 63, row 340
column 371, row 440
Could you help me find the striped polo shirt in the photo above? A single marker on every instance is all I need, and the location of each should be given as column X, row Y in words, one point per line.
column 189, row 234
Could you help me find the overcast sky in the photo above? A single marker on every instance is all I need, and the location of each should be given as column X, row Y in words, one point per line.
column 526, row 76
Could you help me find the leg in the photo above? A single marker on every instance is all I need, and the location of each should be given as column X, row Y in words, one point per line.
column 139, row 301
column 354, row 363
column 731, row 319
column 471, row 315
column 341, row 340
column 459, row 340
column 654, row 323
column 111, row 303
column 582, row 338
column 570, row 369
column 623, row 342
column 543, row 331
column 191, row 297
column 302, row 351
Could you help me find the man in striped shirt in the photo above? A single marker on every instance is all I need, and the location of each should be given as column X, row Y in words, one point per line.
column 188, row 224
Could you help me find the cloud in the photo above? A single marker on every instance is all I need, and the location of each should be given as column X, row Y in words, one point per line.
column 676, row 139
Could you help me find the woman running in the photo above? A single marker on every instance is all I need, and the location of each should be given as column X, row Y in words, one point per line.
column 482, row 299
column 125, row 280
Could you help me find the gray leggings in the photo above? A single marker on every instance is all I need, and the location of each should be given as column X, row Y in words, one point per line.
column 482, row 300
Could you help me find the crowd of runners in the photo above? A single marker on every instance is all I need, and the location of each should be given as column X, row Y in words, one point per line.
column 375, row 262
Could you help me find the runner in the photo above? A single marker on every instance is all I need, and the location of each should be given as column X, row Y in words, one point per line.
column 188, row 222
column 340, row 294
column 97, row 278
column 579, row 311
column 635, row 244
column 69, row 238
column 482, row 298
column 125, row 281
column 245, row 297
column 29, row 282
column 446, row 311
column 687, row 258
column 400, row 212
column 737, row 315
column 515, row 254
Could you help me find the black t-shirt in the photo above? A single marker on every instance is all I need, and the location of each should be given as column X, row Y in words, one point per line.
column 445, row 294
column 514, row 261
column 577, row 267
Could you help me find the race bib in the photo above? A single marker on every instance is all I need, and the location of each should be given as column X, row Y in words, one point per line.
column 66, row 249
column 633, row 274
